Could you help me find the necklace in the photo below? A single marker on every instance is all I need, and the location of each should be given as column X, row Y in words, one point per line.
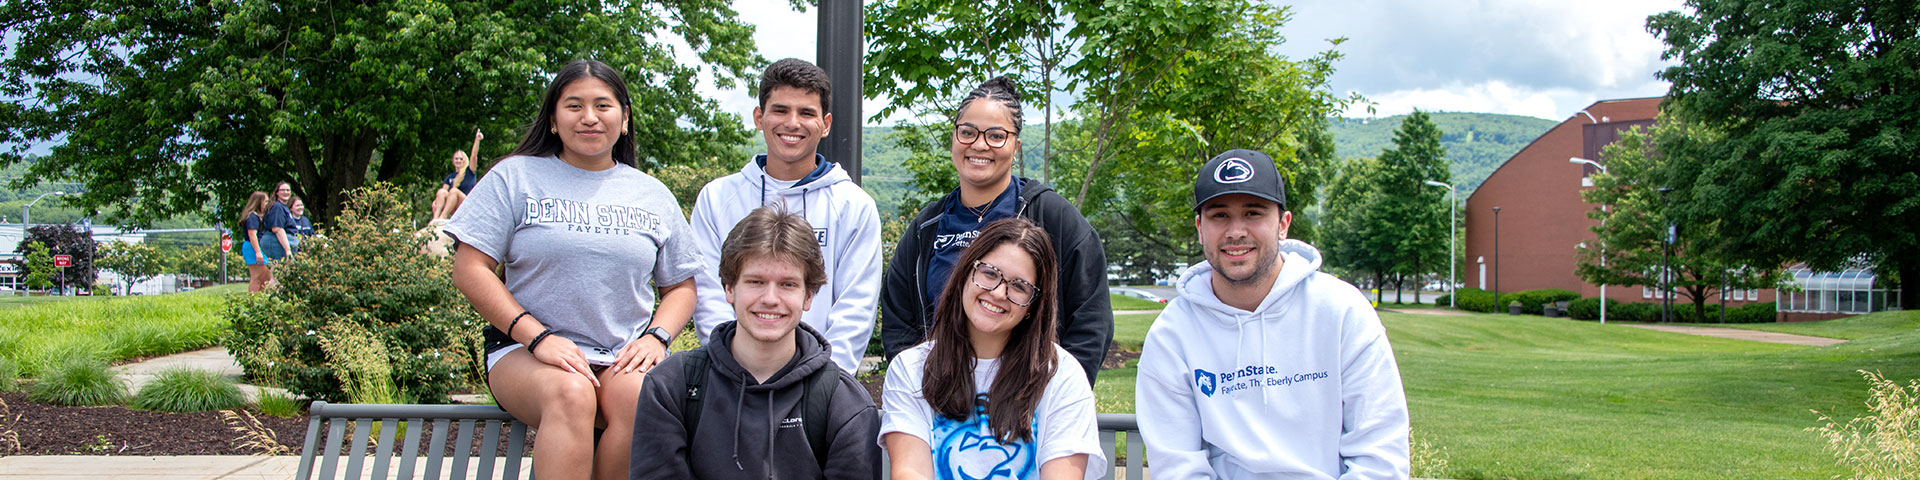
column 979, row 214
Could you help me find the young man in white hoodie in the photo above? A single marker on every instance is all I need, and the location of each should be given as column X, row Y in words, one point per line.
column 793, row 118
column 1264, row 367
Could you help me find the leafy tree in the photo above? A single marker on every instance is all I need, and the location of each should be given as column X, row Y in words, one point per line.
column 39, row 267
column 156, row 106
column 1635, row 216
column 63, row 239
column 1350, row 240
column 133, row 262
column 1413, row 215
column 1817, row 100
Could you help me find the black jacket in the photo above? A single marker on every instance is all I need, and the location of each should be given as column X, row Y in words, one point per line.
column 749, row 430
column 1086, row 313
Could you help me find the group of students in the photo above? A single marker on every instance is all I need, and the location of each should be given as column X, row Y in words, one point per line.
column 994, row 314
column 271, row 228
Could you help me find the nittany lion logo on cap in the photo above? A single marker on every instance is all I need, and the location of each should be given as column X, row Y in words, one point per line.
column 1234, row 170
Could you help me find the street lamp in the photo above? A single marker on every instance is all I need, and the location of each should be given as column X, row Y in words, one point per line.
column 1453, row 229
column 1603, row 227
column 1666, row 271
column 1497, row 307
column 26, row 217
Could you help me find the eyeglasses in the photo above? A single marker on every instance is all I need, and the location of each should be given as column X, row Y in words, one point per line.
column 988, row 277
column 967, row 134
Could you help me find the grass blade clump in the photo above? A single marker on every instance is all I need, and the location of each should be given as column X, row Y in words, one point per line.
column 9, row 376
column 277, row 404
column 184, row 390
column 1885, row 442
column 78, row 382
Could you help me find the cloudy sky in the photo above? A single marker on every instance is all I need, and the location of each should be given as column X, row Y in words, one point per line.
column 1540, row 58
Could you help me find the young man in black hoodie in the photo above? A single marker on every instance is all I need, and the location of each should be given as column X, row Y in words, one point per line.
column 766, row 382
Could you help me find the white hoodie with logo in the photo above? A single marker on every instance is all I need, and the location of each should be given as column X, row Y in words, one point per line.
column 1304, row 386
column 844, row 222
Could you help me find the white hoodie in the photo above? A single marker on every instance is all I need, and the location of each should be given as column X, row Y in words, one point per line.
column 848, row 229
column 1304, row 386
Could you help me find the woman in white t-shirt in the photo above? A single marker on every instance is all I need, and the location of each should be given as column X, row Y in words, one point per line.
column 990, row 394
column 586, row 240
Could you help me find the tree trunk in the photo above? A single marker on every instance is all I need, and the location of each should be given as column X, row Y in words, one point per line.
column 1378, row 280
column 1399, row 288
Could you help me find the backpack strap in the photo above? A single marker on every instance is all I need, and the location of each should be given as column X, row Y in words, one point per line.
column 815, row 404
column 695, row 369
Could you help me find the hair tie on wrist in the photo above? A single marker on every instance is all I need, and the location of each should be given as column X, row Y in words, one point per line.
column 536, row 340
column 516, row 322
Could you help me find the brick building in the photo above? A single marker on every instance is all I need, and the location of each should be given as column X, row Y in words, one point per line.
column 1543, row 221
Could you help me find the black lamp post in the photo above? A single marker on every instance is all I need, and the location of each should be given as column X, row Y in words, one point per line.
column 1497, row 307
column 1666, row 271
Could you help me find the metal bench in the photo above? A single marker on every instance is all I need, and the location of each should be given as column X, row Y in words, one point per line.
column 328, row 423
column 332, row 419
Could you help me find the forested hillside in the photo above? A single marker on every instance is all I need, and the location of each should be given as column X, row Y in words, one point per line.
column 1477, row 143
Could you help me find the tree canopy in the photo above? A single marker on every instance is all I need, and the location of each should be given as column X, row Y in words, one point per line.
column 159, row 108
column 1383, row 220
column 1820, row 104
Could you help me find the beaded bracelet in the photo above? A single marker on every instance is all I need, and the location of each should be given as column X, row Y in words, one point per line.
column 516, row 322
column 537, row 338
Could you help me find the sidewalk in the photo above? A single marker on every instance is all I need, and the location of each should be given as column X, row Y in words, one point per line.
column 1749, row 335
column 148, row 468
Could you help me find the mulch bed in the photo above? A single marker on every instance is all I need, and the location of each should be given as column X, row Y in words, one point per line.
column 116, row 430
column 44, row 429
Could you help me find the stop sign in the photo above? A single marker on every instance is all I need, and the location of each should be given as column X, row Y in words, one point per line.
column 226, row 243
column 63, row 261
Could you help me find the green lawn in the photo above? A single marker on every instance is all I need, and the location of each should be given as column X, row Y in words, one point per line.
column 1846, row 328
column 41, row 332
column 1531, row 397
column 1123, row 302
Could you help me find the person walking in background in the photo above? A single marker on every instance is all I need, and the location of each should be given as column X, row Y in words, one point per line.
column 793, row 118
column 587, row 241
column 455, row 188
column 764, row 373
column 991, row 395
column 277, row 221
column 986, row 138
column 251, row 217
column 1265, row 367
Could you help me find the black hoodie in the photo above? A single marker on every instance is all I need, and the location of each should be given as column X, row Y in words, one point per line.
column 744, row 424
column 1085, row 326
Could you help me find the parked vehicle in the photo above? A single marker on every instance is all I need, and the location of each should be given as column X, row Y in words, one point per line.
column 1138, row 293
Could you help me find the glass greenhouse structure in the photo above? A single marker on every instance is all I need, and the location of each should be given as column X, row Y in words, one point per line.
column 1850, row 291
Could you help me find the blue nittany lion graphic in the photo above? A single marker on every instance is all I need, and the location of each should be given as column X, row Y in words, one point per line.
column 1233, row 170
column 1205, row 380
column 967, row 450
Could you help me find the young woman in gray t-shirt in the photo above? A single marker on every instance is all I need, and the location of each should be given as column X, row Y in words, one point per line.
column 585, row 238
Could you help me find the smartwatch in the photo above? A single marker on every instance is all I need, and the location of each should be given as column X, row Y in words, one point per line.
column 666, row 339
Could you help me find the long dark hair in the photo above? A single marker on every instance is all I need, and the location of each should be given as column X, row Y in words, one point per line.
column 539, row 142
column 1028, row 361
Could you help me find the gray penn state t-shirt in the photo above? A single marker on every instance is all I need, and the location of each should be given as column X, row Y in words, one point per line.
column 583, row 250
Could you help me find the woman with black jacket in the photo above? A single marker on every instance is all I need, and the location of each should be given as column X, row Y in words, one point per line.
column 986, row 140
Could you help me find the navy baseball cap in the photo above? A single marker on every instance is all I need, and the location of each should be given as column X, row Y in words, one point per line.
column 1239, row 171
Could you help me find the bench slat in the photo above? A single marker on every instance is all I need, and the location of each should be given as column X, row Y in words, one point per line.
column 385, row 450
column 336, row 428
column 436, row 448
column 516, row 448
column 1136, row 458
column 313, row 439
column 362, row 429
column 463, row 447
column 1106, row 446
column 410, row 451
column 489, row 442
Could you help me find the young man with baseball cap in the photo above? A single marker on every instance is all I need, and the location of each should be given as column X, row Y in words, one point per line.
column 1265, row 367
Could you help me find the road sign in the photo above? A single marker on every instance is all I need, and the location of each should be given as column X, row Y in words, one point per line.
column 63, row 261
column 226, row 243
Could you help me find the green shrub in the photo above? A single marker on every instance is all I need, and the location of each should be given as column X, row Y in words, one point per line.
column 1683, row 312
column 9, row 376
column 1474, row 299
column 1589, row 309
column 274, row 403
column 1634, row 312
column 1763, row 312
column 1531, row 300
column 367, row 272
column 79, row 381
column 184, row 390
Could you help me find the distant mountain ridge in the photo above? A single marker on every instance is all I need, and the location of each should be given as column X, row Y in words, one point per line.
column 1477, row 143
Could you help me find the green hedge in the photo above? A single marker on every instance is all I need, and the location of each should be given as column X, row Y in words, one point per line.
column 1530, row 300
column 1634, row 312
column 1589, row 309
column 1683, row 313
column 1753, row 313
column 1472, row 299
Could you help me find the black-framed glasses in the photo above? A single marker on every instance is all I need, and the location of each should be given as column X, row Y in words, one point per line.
column 988, row 277
column 996, row 136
